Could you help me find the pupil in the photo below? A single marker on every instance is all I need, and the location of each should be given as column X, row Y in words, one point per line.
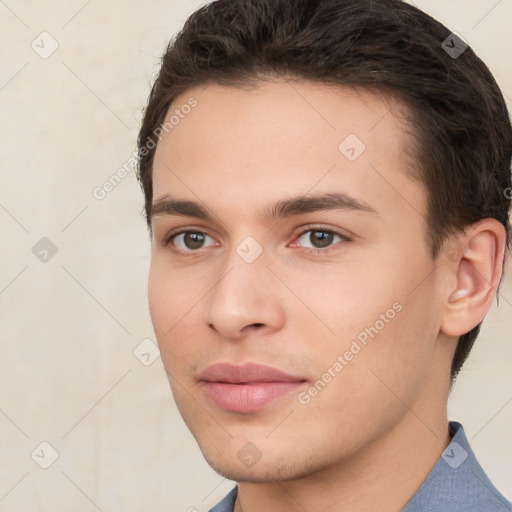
column 324, row 238
column 194, row 240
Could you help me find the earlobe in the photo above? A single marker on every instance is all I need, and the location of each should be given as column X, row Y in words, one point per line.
column 477, row 271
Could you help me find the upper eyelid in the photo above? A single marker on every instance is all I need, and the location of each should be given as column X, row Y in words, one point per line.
column 321, row 228
column 300, row 231
column 181, row 231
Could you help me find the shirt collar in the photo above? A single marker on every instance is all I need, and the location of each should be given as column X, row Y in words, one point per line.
column 457, row 482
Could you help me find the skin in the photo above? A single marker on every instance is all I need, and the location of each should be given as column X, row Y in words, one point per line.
column 382, row 419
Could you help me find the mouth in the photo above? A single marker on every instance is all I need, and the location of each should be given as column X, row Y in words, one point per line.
column 246, row 388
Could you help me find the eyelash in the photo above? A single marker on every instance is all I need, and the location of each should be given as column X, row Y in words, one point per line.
column 168, row 241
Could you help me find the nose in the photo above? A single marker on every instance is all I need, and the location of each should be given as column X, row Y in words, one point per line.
column 245, row 301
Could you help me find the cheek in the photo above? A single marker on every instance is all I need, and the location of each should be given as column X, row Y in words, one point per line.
column 347, row 300
column 400, row 339
column 171, row 295
column 167, row 309
column 160, row 300
column 173, row 306
column 383, row 317
column 373, row 377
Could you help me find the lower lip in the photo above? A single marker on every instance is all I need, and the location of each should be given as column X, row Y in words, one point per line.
column 247, row 397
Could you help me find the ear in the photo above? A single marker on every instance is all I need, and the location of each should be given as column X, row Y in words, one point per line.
column 475, row 264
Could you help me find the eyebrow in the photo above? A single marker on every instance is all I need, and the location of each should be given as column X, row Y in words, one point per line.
column 293, row 206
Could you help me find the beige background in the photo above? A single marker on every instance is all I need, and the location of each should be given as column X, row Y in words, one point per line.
column 69, row 326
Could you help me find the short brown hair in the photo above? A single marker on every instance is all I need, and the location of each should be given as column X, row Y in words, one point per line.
column 459, row 117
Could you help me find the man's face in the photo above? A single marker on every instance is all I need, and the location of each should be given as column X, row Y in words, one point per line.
column 344, row 302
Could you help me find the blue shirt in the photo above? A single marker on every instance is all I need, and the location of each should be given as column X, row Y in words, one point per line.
column 457, row 483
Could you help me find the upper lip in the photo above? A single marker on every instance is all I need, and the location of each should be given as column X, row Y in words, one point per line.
column 245, row 374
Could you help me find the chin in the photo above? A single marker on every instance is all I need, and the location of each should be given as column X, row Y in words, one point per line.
column 264, row 471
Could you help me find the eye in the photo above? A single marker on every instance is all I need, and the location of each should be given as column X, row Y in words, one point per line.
column 316, row 239
column 188, row 241
column 319, row 238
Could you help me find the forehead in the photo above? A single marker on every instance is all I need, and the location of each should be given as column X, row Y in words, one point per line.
column 238, row 146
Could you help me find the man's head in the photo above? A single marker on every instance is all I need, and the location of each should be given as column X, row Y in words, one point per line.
column 350, row 101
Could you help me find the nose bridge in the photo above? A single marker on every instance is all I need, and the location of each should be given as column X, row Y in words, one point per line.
column 245, row 266
column 242, row 283
column 244, row 295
